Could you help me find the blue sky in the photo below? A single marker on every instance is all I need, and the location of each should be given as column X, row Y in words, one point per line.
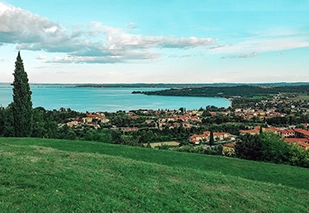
column 170, row 41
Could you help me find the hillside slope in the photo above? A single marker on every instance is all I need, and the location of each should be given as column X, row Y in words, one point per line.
column 65, row 176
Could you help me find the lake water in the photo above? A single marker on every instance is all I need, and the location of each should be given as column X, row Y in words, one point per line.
column 106, row 99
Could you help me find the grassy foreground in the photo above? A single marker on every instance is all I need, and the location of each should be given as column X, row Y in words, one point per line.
column 38, row 175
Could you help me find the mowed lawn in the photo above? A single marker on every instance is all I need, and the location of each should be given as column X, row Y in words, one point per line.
column 40, row 175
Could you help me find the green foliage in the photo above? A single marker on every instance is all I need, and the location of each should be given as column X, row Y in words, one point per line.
column 248, row 147
column 164, row 147
column 231, row 91
column 7, row 121
column 98, row 135
column 214, row 150
column 66, row 132
column 270, row 147
column 298, row 156
column 22, row 104
column 274, row 149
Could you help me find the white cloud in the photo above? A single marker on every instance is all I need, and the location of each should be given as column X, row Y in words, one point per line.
column 263, row 44
column 103, row 59
column 131, row 26
column 247, row 55
column 94, row 43
column 41, row 57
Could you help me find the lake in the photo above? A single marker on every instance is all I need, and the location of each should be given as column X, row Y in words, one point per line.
column 106, row 99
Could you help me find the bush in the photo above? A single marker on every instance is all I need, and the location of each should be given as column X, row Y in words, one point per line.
column 248, row 147
column 298, row 156
column 271, row 148
column 274, row 149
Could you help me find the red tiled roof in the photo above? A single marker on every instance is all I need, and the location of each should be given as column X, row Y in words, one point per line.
column 302, row 131
column 212, row 113
column 296, row 140
column 271, row 129
column 249, row 131
column 286, row 131
column 304, row 145
column 220, row 133
column 90, row 115
column 230, row 145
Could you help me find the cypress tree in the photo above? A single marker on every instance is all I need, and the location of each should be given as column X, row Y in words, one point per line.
column 211, row 138
column 261, row 129
column 22, row 104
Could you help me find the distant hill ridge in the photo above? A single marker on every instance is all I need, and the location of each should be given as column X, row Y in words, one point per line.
column 232, row 91
column 162, row 85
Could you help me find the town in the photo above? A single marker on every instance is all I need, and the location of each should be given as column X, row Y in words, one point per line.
column 282, row 115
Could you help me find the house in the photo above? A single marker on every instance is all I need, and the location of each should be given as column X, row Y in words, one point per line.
column 213, row 114
column 197, row 138
column 228, row 149
column 92, row 117
column 271, row 129
column 254, row 131
column 303, row 142
column 149, row 121
column 134, row 117
column 222, row 135
column 285, row 133
column 301, row 133
column 75, row 122
column 186, row 125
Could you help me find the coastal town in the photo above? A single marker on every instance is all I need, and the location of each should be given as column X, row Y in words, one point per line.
column 283, row 116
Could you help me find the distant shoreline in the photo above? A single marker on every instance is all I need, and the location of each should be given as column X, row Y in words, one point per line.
column 159, row 85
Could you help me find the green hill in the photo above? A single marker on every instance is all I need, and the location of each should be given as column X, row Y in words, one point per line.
column 40, row 175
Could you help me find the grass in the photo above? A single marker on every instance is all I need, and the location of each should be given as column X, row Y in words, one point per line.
column 40, row 175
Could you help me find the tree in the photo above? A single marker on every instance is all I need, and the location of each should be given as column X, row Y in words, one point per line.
column 211, row 138
column 7, row 128
column 248, row 147
column 261, row 129
column 22, row 104
column 273, row 148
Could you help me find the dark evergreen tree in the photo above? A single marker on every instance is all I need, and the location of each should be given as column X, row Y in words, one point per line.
column 211, row 138
column 22, row 104
column 261, row 129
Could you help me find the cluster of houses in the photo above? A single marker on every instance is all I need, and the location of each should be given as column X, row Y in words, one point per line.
column 91, row 120
column 197, row 139
column 294, row 135
column 250, row 113
column 191, row 118
column 188, row 120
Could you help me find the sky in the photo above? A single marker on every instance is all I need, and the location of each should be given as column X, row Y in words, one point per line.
column 159, row 41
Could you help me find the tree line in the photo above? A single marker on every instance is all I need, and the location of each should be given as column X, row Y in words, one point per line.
column 232, row 91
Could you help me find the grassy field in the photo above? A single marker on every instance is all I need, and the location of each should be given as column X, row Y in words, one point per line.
column 40, row 175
